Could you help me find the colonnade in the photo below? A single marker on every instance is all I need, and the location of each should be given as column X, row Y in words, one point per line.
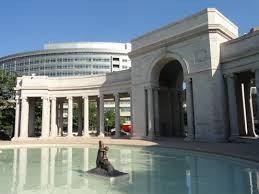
column 240, row 104
column 52, row 115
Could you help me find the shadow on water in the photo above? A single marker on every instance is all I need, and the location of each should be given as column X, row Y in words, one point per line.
column 81, row 173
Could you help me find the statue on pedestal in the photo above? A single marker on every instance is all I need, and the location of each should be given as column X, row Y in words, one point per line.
column 102, row 159
column 103, row 165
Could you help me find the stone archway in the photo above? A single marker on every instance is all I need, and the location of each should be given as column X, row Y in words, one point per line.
column 171, row 97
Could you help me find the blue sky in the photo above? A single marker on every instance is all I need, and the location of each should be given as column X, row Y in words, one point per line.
column 27, row 24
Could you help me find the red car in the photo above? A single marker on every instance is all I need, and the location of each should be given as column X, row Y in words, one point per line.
column 126, row 128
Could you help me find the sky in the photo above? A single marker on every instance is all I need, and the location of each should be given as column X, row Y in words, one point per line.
column 25, row 25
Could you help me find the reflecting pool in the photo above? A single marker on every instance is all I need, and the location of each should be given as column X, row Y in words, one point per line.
column 61, row 170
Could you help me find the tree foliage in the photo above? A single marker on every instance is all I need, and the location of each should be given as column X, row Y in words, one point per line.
column 7, row 102
column 92, row 115
column 109, row 119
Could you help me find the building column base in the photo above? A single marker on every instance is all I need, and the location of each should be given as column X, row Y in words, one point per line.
column 189, row 139
column 15, row 139
column 234, row 138
column 86, row 135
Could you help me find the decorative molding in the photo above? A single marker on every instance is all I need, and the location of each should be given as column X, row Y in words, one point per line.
column 230, row 75
column 53, row 98
column 24, row 98
column 45, row 98
column 116, row 94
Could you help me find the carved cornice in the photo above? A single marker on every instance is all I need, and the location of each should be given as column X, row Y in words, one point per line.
column 181, row 37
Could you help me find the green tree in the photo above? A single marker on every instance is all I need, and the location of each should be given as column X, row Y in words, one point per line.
column 109, row 119
column 92, row 115
column 7, row 102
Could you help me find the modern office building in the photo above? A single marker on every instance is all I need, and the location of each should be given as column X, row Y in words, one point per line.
column 73, row 59
column 70, row 59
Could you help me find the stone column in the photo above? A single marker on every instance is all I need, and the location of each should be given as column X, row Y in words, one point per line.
column 189, row 110
column 131, row 113
column 17, row 118
column 61, row 118
column 101, row 115
column 117, row 114
column 57, row 115
column 53, row 117
column 182, row 125
column 232, row 107
column 257, row 91
column 70, row 117
column 31, row 116
column 244, row 131
column 80, row 124
column 45, row 117
column 150, row 113
column 170, row 95
column 156, row 107
column 24, row 118
column 249, row 111
column 98, row 115
column 86, row 116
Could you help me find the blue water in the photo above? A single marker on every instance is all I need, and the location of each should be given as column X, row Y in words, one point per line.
column 61, row 170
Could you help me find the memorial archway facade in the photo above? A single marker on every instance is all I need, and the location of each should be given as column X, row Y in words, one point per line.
column 185, row 81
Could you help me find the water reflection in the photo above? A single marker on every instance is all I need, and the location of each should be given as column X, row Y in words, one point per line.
column 61, row 170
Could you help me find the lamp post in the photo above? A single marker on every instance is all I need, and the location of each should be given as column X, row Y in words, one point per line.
column 107, row 119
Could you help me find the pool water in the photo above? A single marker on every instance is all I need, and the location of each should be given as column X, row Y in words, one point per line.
column 61, row 170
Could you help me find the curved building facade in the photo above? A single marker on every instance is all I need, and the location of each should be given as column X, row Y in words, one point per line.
column 70, row 59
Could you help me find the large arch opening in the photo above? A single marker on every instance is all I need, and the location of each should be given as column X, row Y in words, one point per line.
column 171, row 99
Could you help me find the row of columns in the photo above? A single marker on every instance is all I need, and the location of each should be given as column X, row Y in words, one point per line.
column 51, row 125
column 153, row 124
column 247, row 106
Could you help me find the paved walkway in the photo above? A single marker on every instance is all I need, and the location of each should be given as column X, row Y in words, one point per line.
column 248, row 151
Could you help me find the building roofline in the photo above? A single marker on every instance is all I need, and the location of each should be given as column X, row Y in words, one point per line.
column 63, row 51
column 184, row 20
